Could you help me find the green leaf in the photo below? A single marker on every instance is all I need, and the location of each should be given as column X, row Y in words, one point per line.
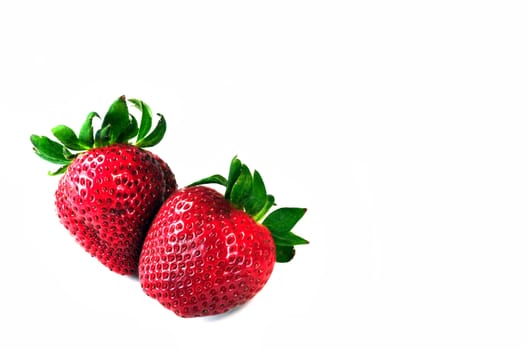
column 130, row 131
column 68, row 137
column 67, row 154
column 284, row 253
column 102, row 136
column 146, row 118
column 283, row 220
column 117, row 118
column 269, row 202
column 214, row 179
column 156, row 135
column 86, row 132
column 258, row 197
column 234, row 172
column 59, row 171
column 288, row 239
column 49, row 150
column 242, row 188
column 137, row 103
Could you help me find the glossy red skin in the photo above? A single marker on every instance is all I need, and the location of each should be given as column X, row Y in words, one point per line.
column 107, row 199
column 203, row 257
column 170, row 179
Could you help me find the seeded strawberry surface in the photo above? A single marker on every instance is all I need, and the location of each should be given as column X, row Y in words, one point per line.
column 107, row 198
column 111, row 186
column 168, row 175
column 196, row 251
column 202, row 256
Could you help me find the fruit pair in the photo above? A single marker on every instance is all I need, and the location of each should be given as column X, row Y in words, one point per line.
column 196, row 251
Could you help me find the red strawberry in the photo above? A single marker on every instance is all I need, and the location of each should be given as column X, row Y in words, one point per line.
column 206, row 253
column 111, row 189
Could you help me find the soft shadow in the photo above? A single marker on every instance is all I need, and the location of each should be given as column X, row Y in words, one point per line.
column 134, row 277
column 230, row 313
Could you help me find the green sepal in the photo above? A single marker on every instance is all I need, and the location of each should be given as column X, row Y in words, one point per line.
column 282, row 220
column 156, row 135
column 269, row 202
column 67, row 154
column 59, row 171
column 214, row 179
column 258, row 197
column 68, row 137
column 234, row 172
column 49, row 150
column 86, row 133
column 130, row 131
column 118, row 126
column 241, row 188
column 284, row 253
column 117, row 118
column 146, row 118
column 288, row 239
column 103, row 136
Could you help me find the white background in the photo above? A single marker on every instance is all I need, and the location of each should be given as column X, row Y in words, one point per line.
column 400, row 125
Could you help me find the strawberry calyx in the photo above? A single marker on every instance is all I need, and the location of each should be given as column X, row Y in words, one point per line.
column 118, row 126
column 246, row 191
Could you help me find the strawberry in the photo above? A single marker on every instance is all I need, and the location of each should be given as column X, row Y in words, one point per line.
column 206, row 253
column 111, row 188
